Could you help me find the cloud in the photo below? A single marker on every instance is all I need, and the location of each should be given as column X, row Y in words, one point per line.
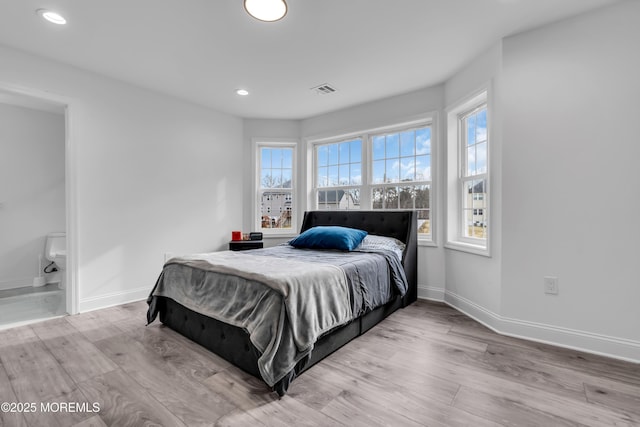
column 423, row 142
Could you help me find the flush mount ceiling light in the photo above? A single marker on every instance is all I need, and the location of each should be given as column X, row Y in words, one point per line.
column 242, row 92
column 266, row 10
column 51, row 16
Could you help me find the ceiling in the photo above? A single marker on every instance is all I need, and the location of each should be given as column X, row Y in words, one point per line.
column 203, row 50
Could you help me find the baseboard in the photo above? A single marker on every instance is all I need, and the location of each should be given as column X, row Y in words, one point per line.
column 487, row 317
column 617, row 348
column 115, row 298
column 431, row 293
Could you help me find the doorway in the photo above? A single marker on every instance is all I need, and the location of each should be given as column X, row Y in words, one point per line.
column 34, row 205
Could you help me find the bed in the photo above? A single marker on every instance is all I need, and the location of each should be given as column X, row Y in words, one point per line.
column 275, row 312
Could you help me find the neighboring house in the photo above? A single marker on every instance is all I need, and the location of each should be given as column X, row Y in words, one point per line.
column 477, row 202
column 337, row 199
column 276, row 209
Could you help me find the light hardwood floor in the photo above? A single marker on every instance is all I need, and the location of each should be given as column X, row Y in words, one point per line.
column 425, row 365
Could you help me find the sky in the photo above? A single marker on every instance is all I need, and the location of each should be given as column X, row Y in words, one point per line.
column 476, row 125
column 396, row 157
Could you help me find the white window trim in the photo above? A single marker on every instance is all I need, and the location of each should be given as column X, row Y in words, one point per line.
column 297, row 204
column 428, row 119
column 454, row 162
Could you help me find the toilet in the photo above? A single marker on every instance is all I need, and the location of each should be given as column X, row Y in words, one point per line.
column 55, row 250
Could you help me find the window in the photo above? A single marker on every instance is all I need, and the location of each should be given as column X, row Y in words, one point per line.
column 339, row 175
column 276, row 189
column 401, row 175
column 468, row 176
column 474, row 172
column 377, row 170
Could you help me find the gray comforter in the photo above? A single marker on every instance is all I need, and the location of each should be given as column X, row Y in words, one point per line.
column 285, row 298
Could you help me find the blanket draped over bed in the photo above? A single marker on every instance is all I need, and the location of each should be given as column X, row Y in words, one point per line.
column 285, row 298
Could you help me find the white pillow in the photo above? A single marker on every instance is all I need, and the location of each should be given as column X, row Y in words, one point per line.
column 372, row 243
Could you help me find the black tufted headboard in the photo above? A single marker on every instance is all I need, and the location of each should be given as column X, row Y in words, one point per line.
column 401, row 225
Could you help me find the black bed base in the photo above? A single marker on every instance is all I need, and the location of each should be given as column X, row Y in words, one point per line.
column 233, row 343
column 225, row 340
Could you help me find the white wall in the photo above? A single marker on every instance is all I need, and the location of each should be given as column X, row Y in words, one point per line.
column 384, row 112
column 563, row 161
column 570, row 199
column 152, row 176
column 473, row 281
column 32, row 189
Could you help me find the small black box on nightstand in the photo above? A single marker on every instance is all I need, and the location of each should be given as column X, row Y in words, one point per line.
column 245, row 245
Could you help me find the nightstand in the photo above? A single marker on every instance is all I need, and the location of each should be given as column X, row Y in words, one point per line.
column 245, row 245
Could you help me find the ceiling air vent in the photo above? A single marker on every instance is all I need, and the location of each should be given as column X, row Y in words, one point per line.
column 324, row 89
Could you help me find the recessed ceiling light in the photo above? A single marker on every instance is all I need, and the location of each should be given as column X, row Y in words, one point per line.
column 51, row 16
column 242, row 92
column 266, row 10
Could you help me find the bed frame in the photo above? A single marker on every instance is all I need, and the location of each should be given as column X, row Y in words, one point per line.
column 233, row 343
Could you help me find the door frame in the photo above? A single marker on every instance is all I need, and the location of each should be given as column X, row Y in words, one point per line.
column 71, row 207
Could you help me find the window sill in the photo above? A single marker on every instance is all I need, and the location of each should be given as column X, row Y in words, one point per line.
column 282, row 235
column 469, row 248
column 427, row 243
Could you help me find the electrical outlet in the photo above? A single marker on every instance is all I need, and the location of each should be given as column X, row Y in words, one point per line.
column 551, row 285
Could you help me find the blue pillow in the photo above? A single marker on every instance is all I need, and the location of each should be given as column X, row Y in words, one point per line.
column 329, row 237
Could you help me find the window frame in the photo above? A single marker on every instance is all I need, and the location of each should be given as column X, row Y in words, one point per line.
column 366, row 187
column 457, row 178
column 345, row 187
column 466, row 178
column 296, row 203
